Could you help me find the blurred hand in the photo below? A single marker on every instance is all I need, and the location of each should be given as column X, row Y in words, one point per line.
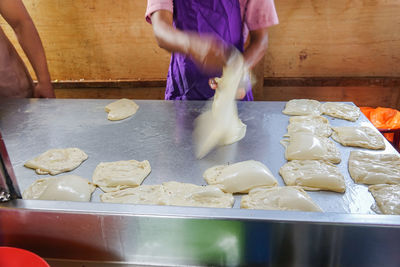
column 208, row 52
column 44, row 90
column 240, row 94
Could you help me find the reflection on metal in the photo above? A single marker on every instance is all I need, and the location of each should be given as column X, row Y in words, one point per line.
column 8, row 184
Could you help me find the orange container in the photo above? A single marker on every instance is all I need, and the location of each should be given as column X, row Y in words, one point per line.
column 16, row 257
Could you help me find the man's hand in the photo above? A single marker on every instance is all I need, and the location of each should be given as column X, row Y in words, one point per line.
column 44, row 90
column 208, row 52
column 240, row 94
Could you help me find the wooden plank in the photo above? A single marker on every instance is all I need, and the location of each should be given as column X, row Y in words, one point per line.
column 112, row 93
column 335, row 38
column 109, row 39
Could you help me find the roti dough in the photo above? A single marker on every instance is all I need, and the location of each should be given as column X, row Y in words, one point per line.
column 114, row 176
column 173, row 194
column 121, row 109
column 302, row 107
column 341, row 111
column 304, row 146
column 368, row 168
column 316, row 125
column 55, row 161
column 221, row 125
column 364, row 137
column 63, row 188
column 240, row 177
column 313, row 175
column 279, row 198
column 387, row 197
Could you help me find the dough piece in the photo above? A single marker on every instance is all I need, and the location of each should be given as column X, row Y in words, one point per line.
column 144, row 194
column 341, row 111
column 370, row 168
column 313, row 175
column 240, row 177
column 183, row 194
column 316, row 125
column 364, row 137
column 121, row 109
column 174, row 194
column 55, row 161
column 304, row 146
column 114, row 176
column 387, row 198
column 221, row 125
column 279, row 198
column 64, row 188
column 302, row 107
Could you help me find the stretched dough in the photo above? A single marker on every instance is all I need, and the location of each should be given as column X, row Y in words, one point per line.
column 240, row 177
column 341, row 111
column 316, row 125
column 302, row 107
column 364, row 137
column 279, row 198
column 387, row 197
column 55, row 161
column 173, row 194
column 305, row 146
column 370, row 168
column 121, row 109
column 63, row 188
column 114, row 176
column 313, row 175
column 221, row 125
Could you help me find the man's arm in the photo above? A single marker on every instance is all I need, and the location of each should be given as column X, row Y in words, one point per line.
column 17, row 16
column 207, row 51
column 257, row 47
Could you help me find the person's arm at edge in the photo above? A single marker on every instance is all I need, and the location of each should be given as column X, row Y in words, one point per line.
column 15, row 13
column 257, row 47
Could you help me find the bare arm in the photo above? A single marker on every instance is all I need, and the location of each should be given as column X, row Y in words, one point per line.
column 16, row 15
column 207, row 51
column 257, row 47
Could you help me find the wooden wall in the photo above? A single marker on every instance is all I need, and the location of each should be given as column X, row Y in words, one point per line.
column 110, row 40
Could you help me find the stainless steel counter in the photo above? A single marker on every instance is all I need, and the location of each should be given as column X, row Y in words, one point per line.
column 161, row 133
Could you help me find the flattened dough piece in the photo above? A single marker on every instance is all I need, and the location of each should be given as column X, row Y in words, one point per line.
column 304, row 146
column 364, row 137
column 341, row 111
column 114, row 176
column 387, row 197
column 368, row 168
column 55, row 161
column 183, row 194
column 302, row 107
column 316, row 125
column 313, row 175
column 279, row 198
column 173, row 194
column 144, row 194
column 221, row 125
column 121, row 109
column 240, row 177
column 63, row 188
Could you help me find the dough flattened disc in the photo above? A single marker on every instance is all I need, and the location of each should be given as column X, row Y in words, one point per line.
column 114, row 176
column 368, row 168
column 173, row 194
column 63, row 188
column 316, row 125
column 279, row 198
column 55, row 161
column 313, row 175
column 240, row 177
column 341, row 111
column 302, row 107
column 121, row 109
column 364, row 137
column 304, row 146
column 387, row 197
